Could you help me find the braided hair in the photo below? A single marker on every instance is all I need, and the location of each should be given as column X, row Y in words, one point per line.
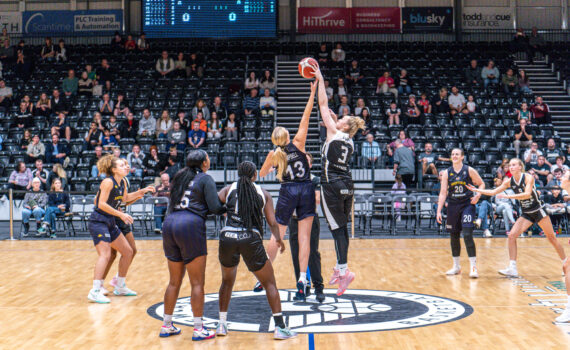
column 183, row 177
column 249, row 205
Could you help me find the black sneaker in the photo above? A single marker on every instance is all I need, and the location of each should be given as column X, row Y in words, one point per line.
column 307, row 290
column 300, row 294
column 26, row 229
column 258, row 287
column 319, row 295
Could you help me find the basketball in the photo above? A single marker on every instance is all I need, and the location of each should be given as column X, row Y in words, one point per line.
column 307, row 67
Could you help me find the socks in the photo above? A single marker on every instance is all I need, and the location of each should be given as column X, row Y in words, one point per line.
column 167, row 320
column 197, row 323
column 97, row 284
column 473, row 261
column 303, row 277
column 223, row 317
column 455, row 261
column 342, row 269
column 121, row 282
column 513, row 263
column 278, row 318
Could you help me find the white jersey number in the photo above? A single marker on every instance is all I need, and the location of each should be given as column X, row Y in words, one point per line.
column 299, row 170
column 344, row 155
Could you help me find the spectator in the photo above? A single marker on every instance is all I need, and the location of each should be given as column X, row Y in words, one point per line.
column 425, row 105
column 201, row 107
column 177, row 136
column 323, row 55
column 523, row 113
column 510, row 82
column 23, row 118
column 542, row 170
column 471, row 105
column 559, row 165
column 136, row 159
column 360, row 106
column 556, row 178
column 105, row 73
column 386, row 84
column 184, row 122
column 215, row 127
column 393, row 113
column 490, row 74
column 163, row 125
column 20, row 179
column 178, row 157
column 57, row 172
column 230, row 129
column 152, row 164
column 180, row 69
column 5, row 96
column 266, row 82
column 540, row 111
column 61, row 51
column 196, row 136
column 404, row 140
column 484, row 209
column 556, row 206
column 522, row 136
column 216, row 107
column 473, row 74
column 91, row 73
column 121, row 106
column 93, row 137
column 196, row 65
column 344, row 108
column 404, row 83
column 524, row 85
column 130, row 44
column 354, row 73
column 341, row 90
column 162, row 191
column 251, row 82
column 114, row 127
column 35, row 150
column 535, row 43
column 520, row 42
column 172, row 167
column 41, row 173
column 398, row 188
column 93, row 162
column 142, row 44
column 6, row 51
column 61, row 126
column 412, row 112
column 48, row 51
column 338, row 55
column 427, row 159
column 203, row 123
column 70, row 84
column 504, row 207
column 109, row 141
column 251, row 104
column 106, row 105
column 58, row 204
column 457, row 102
column 404, row 163
column 531, row 155
column 85, row 85
column 368, row 124
column 43, row 106
column 33, row 204
column 371, row 152
column 439, row 103
column 117, row 42
column 551, row 152
column 26, row 140
column 29, row 105
column 147, row 124
column 23, row 67
column 267, row 104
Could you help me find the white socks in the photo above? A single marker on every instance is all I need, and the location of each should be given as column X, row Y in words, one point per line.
column 473, row 261
column 223, row 317
column 303, row 277
column 513, row 263
column 198, row 323
column 167, row 320
column 121, row 282
column 342, row 269
column 456, row 261
column 97, row 284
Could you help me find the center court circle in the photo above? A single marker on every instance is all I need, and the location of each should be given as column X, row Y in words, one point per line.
column 356, row 310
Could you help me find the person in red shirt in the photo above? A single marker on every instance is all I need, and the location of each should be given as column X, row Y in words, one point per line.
column 203, row 123
column 386, row 84
column 540, row 111
column 424, row 103
column 130, row 43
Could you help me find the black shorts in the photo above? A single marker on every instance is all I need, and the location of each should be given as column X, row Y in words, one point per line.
column 103, row 228
column 184, row 236
column 336, row 202
column 123, row 227
column 296, row 197
column 235, row 242
column 460, row 215
column 535, row 216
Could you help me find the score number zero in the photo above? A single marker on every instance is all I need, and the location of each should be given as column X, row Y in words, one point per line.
column 232, row 17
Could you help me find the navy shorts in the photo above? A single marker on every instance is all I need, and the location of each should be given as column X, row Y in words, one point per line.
column 296, row 197
column 103, row 228
column 184, row 236
column 460, row 216
column 235, row 242
column 124, row 228
column 535, row 216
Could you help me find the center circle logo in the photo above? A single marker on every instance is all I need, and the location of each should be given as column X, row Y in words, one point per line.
column 355, row 311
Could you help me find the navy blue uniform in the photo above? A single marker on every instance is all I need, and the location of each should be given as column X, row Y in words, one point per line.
column 236, row 240
column 184, row 230
column 120, row 223
column 460, row 211
column 297, row 193
column 532, row 208
column 103, row 226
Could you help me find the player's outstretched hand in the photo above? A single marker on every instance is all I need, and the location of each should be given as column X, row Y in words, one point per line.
column 281, row 245
column 314, row 85
column 475, row 198
column 501, row 196
column 472, row 188
column 127, row 219
column 150, row 189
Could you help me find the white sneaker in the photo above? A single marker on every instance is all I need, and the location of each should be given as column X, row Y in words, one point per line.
column 474, row 273
column 487, row 233
column 96, row 297
column 509, row 272
column 565, row 317
column 104, row 291
column 167, row 331
column 124, row 291
column 455, row 270
column 477, row 223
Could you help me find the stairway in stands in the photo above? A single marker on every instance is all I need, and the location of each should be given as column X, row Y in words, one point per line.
column 294, row 91
column 543, row 81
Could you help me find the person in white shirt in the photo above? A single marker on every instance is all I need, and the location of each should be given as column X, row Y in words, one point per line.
column 267, row 104
column 164, row 65
column 457, row 103
column 5, row 95
column 338, row 55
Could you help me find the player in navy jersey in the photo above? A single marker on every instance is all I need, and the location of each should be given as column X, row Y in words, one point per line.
column 297, row 193
column 193, row 195
column 103, row 227
column 337, row 189
column 532, row 212
column 565, row 317
column 456, row 182
column 242, row 236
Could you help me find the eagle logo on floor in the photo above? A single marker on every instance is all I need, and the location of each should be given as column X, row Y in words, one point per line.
column 354, row 311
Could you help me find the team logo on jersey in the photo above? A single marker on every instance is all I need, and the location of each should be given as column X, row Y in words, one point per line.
column 354, row 311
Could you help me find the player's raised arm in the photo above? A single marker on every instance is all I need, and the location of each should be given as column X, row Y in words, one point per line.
column 502, row 188
column 301, row 135
column 324, row 105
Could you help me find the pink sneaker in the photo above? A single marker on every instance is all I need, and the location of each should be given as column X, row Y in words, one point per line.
column 344, row 281
column 336, row 274
column 114, row 282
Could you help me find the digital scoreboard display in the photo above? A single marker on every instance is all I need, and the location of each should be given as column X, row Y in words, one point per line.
column 209, row 19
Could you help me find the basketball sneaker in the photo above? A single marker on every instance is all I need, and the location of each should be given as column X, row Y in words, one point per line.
column 455, row 270
column 202, row 334
column 319, row 295
column 104, row 291
column 222, row 329
column 124, row 291
column 344, row 281
column 114, row 283
column 334, row 277
column 510, row 271
column 167, row 331
column 96, row 297
column 565, row 317
column 258, row 287
column 474, row 273
column 283, row 333
column 300, row 294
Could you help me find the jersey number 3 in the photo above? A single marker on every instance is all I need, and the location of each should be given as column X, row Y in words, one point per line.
column 343, row 155
column 299, row 170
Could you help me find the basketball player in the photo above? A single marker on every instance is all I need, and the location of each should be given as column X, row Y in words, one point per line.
column 193, row 195
column 455, row 182
column 103, row 228
column 337, row 188
column 565, row 317
column 532, row 212
column 246, row 205
column 297, row 193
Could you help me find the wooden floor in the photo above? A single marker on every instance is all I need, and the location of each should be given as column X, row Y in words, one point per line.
column 44, row 285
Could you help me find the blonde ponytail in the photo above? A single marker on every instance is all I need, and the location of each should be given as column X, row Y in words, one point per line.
column 355, row 124
column 280, row 138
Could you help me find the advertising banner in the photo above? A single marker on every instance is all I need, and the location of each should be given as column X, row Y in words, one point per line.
column 12, row 21
column 92, row 22
column 427, row 19
column 348, row 20
column 487, row 18
column 375, row 19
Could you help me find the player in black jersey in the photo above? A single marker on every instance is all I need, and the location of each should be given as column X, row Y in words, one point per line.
column 455, row 182
column 297, row 193
column 246, row 204
column 532, row 212
column 103, row 228
column 337, row 189
column 193, row 195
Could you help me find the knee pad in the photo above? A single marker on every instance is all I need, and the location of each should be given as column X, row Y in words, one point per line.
column 469, row 242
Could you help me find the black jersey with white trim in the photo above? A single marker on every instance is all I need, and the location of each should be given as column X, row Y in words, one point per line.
column 528, row 205
column 298, row 169
column 336, row 155
column 234, row 220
